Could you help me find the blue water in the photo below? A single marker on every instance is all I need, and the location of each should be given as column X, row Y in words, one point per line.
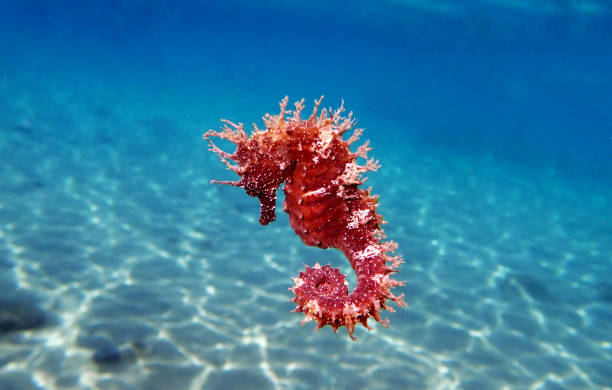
column 122, row 267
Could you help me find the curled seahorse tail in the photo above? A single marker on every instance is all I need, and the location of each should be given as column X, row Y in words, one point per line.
column 321, row 293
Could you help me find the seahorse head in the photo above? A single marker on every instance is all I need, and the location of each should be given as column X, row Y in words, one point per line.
column 266, row 158
column 262, row 161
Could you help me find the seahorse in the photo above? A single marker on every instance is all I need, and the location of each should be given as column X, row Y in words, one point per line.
column 326, row 207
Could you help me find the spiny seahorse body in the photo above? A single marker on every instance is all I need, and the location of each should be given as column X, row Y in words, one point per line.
column 326, row 208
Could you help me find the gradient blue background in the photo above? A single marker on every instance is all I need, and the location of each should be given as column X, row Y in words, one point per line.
column 493, row 124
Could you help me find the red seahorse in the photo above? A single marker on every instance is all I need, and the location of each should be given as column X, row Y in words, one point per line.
column 326, row 207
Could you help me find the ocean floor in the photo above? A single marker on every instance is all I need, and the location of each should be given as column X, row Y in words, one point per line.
column 123, row 268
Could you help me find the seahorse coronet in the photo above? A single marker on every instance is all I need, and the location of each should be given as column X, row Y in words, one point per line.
column 326, row 207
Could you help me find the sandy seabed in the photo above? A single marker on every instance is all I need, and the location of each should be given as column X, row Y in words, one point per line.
column 123, row 268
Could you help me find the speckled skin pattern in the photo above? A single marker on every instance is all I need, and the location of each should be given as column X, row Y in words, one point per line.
column 326, row 207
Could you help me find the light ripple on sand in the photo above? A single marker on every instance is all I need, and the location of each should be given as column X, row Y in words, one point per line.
column 505, row 277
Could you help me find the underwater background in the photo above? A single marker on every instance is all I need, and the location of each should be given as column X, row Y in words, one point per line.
column 122, row 267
